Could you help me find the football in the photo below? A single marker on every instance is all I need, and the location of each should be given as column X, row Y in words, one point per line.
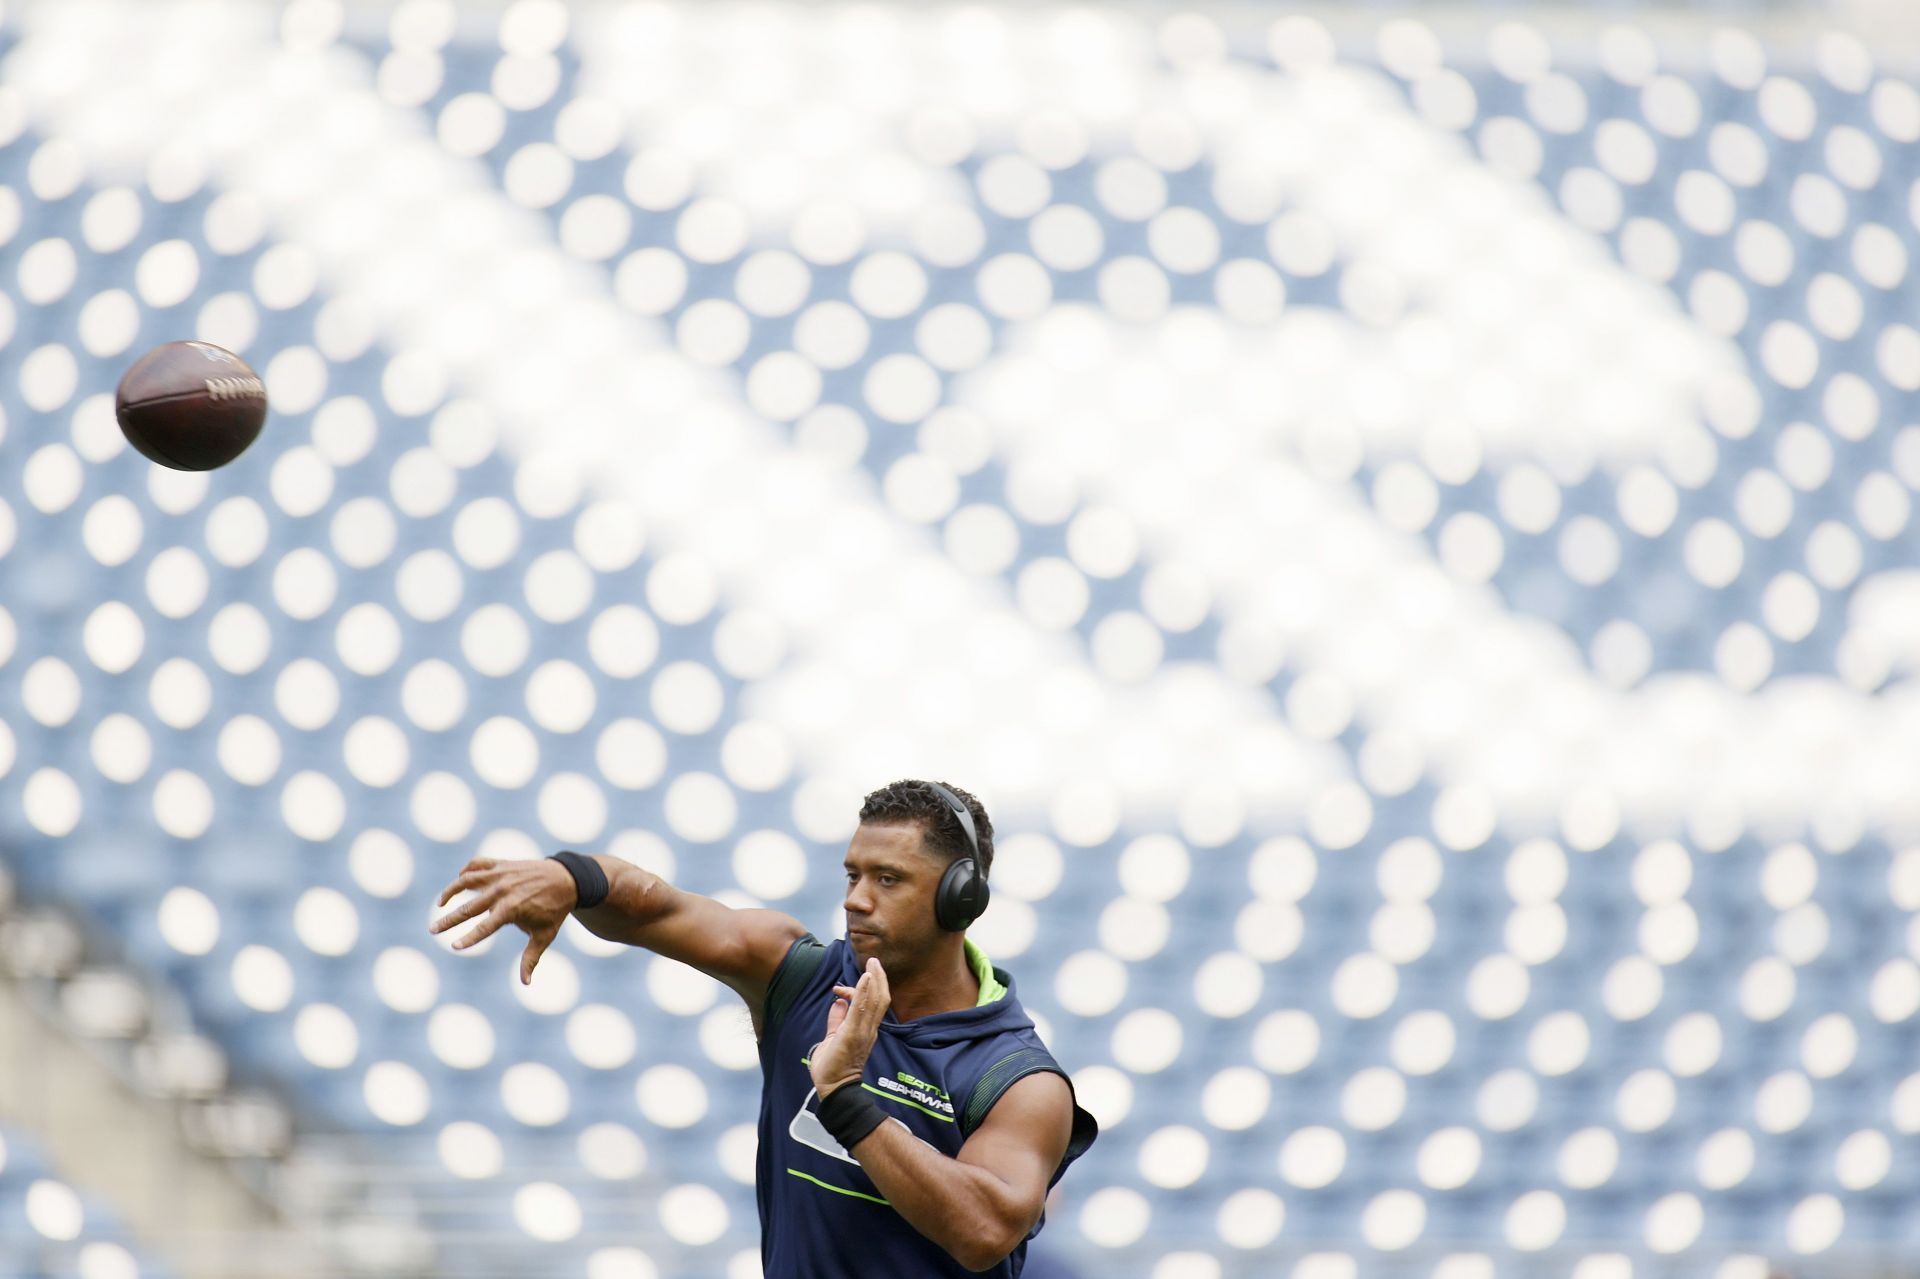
column 192, row 406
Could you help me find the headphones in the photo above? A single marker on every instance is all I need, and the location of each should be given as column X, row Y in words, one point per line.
column 963, row 894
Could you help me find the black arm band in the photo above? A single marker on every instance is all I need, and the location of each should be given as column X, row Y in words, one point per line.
column 849, row 1115
column 589, row 880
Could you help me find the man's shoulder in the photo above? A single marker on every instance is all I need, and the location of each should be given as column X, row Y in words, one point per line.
column 1004, row 1060
column 805, row 959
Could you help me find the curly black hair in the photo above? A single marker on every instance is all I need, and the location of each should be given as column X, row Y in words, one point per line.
column 912, row 800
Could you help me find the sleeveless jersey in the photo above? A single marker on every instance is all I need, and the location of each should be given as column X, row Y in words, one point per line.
column 821, row 1216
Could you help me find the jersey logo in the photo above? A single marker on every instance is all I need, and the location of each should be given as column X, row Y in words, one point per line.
column 922, row 1096
column 806, row 1128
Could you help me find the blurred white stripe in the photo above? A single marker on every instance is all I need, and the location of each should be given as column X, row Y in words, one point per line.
column 448, row 268
column 1511, row 325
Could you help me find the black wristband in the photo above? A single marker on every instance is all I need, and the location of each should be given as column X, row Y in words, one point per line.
column 589, row 880
column 848, row 1114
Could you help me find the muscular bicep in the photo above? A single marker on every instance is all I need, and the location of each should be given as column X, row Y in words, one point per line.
column 1023, row 1139
column 740, row 948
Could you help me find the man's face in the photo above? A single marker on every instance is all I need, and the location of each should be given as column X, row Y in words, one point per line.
column 891, row 880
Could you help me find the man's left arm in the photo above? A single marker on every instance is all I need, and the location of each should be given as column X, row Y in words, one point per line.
column 977, row 1206
column 982, row 1203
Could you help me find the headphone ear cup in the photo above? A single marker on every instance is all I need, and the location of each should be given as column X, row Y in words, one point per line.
column 962, row 896
column 982, row 894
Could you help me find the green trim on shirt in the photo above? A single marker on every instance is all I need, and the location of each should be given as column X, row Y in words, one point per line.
column 838, row 1190
column 990, row 987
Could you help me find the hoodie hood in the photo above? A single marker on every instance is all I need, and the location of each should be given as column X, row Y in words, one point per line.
column 941, row 1030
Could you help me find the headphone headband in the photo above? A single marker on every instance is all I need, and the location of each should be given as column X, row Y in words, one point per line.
column 961, row 811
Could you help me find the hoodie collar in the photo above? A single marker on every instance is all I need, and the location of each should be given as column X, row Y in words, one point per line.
column 991, row 987
column 999, row 1015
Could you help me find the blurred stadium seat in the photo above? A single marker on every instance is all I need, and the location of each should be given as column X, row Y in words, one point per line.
column 49, row 1231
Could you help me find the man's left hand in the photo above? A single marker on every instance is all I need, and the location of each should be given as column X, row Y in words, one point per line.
column 853, row 1023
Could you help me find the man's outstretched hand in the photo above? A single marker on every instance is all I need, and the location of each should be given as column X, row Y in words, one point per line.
column 535, row 896
column 853, row 1023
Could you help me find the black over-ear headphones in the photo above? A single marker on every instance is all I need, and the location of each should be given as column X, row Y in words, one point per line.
column 963, row 893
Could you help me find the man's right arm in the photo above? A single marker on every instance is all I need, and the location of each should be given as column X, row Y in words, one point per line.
column 741, row 948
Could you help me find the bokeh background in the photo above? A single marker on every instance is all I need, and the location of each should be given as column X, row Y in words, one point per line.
column 1404, row 513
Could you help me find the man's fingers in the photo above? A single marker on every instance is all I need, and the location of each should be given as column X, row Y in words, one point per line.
column 878, row 993
column 872, row 1013
column 468, row 879
column 481, row 931
column 536, row 947
column 835, row 1016
column 476, row 905
column 852, row 993
column 865, row 1002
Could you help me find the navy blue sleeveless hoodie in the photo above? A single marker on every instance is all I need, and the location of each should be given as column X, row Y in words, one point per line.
column 821, row 1216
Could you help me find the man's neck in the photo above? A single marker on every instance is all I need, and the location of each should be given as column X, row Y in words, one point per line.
column 946, row 985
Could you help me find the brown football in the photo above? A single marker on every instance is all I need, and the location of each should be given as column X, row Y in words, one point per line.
column 191, row 405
